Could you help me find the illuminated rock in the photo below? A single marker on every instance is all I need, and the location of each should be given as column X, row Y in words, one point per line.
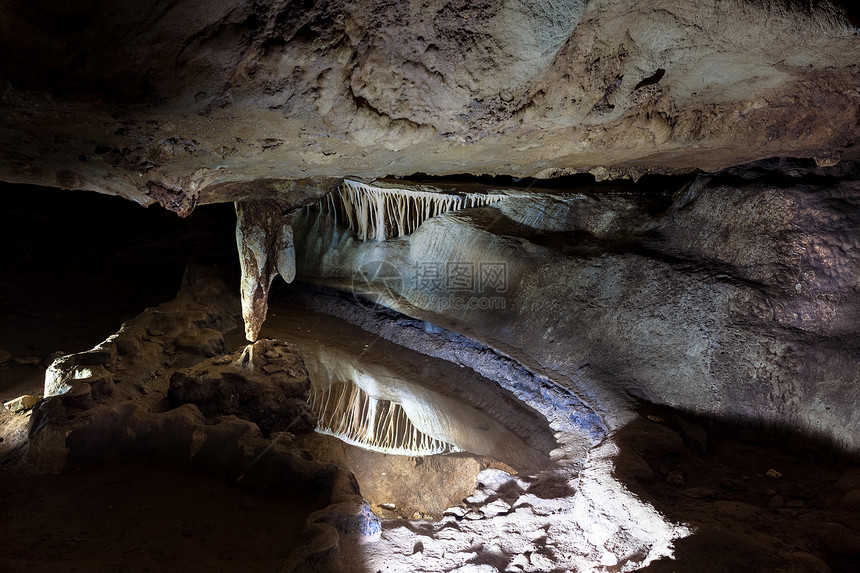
column 384, row 212
column 264, row 237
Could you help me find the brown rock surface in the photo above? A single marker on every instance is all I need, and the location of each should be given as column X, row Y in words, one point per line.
column 184, row 104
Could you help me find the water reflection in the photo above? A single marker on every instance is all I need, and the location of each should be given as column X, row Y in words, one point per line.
column 384, row 397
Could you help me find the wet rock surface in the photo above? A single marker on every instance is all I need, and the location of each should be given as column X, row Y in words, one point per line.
column 265, row 383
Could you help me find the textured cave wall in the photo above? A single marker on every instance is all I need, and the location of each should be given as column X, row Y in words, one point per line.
column 182, row 102
column 733, row 298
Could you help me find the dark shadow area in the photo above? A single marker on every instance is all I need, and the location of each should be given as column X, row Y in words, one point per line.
column 758, row 498
column 135, row 518
column 784, row 172
column 579, row 183
column 775, row 171
column 77, row 264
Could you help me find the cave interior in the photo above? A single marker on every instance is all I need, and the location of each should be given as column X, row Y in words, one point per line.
column 428, row 286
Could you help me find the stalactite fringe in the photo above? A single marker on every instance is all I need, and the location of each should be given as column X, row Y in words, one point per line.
column 347, row 412
column 378, row 213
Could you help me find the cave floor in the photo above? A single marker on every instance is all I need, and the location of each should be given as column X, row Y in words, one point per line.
column 137, row 518
column 745, row 516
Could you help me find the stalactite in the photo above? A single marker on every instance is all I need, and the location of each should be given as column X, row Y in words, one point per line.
column 380, row 213
column 347, row 412
column 264, row 239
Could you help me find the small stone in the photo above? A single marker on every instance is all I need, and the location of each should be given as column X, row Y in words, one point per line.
column 733, row 484
column 700, row 493
column 498, row 507
column 27, row 360
column 458, row 512
column 776, row 502
column 474, row 515
column 4, row 356
column 388, row 506
column 773, row 474
column 634, row 466
column 21, row 403
column 271, row 354
column 542, row 562
column 154, row 331
column 272, row 368
column 657, row 419
column 675, row 478
column 769, row 491
column 795, row 503
column 125, row 346
column 520, row 561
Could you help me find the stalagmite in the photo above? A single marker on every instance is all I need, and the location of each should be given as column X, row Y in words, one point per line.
column 264, row 238
column 379, row 213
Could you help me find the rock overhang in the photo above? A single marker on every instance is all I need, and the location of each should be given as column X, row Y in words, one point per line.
column 184, row 104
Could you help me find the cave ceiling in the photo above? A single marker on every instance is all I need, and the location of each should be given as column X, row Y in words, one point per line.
column 185, row 103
